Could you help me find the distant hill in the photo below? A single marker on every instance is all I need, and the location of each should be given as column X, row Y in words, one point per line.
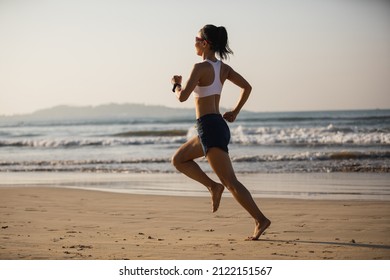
column 101, row 113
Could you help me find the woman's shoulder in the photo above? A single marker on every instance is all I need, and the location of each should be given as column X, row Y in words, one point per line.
column 202, row 66
column 225, row 67
column 205, row 67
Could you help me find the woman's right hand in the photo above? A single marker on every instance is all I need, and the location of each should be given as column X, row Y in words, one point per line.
column 176, row 80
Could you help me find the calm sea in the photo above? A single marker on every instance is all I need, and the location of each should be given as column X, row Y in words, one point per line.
column 293, row 142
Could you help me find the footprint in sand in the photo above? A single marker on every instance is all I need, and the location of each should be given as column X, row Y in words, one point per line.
column 57, row 239
column 78, row 247
column 175, row 228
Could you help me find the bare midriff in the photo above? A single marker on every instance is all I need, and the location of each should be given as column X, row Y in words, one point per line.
column 207, row 105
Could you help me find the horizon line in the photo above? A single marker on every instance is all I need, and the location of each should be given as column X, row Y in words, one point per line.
column 182, row 108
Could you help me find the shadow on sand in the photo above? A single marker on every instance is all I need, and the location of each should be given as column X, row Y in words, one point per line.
column 351, row 244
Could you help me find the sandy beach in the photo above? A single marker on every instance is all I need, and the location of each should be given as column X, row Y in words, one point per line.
column 61, row 223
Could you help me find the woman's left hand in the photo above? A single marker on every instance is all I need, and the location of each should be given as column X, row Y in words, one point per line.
column 230, row 116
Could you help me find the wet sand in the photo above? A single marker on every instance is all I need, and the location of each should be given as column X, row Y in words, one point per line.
column 58, row 223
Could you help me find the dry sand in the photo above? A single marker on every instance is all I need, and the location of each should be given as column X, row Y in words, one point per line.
column 58, row 223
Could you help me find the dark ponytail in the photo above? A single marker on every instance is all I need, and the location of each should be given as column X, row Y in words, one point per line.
column 218, row 39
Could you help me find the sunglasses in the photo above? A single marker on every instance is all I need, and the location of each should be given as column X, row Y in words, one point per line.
column 198, row 39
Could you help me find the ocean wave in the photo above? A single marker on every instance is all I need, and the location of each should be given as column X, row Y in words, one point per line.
column 359, row 116
column 297, row 164
column 322, row 118
column 305, row 156
column 82, row 162
column 315, row 156
column 355, row 117
column 75, row 143
column 329, row 135
column 156, row 133
column 313, row 136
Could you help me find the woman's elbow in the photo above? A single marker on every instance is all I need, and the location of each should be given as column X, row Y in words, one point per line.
column 182, row 98
column 247, row 89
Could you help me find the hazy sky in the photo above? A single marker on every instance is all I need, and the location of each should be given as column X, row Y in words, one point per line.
column 298, row 55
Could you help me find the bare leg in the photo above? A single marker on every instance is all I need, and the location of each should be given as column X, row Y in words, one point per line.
column 220, row 162
column 183, row 160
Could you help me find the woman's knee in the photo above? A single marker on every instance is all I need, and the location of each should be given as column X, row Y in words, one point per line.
column 178, row 159
column 175, row 160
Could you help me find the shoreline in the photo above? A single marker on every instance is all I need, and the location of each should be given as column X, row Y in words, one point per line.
column 310, row 186
column 63, row 223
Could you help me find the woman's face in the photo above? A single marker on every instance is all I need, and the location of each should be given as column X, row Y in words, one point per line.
column 200, row 44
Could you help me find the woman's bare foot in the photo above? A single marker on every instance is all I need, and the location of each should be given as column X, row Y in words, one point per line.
column 216, row 194
column 259, row 229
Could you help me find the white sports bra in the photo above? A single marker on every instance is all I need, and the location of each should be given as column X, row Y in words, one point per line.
column 215, row 87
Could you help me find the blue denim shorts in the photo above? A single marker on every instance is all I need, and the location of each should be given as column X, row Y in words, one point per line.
column 213, row 131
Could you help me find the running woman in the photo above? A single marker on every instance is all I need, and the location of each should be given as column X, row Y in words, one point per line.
column 206, row 81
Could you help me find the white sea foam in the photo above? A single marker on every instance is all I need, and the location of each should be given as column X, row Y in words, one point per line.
column 269, row 142
column 82, row 142
column 240, row 135
column 306, row 136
